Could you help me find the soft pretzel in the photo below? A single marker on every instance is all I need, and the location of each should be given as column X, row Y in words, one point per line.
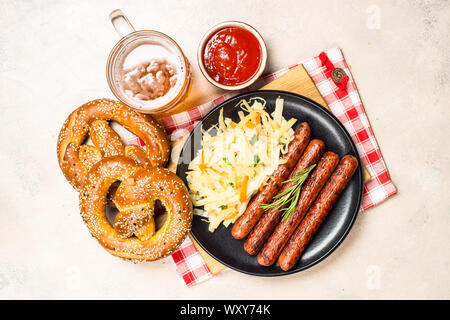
column 133, row 236
column 75, row 158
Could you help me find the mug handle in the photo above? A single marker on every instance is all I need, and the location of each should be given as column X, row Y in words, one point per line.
column 121, row 23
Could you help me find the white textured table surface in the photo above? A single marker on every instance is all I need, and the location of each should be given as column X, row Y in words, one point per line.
column 52, row 59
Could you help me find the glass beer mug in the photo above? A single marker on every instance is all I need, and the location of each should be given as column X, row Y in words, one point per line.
column 146, row 69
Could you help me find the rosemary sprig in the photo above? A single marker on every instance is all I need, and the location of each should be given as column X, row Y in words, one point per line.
column 287, row 200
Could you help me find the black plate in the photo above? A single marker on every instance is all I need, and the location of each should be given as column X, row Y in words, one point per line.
column 324, row 125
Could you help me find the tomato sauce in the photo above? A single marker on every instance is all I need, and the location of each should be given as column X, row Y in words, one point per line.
column 232, row 56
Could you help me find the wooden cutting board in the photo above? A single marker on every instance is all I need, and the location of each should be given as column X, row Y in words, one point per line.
column 295, row 80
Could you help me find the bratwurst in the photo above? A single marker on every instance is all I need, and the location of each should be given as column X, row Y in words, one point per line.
column 250, row 217
column 318, row 212
column 283, row 231
column 272, row 217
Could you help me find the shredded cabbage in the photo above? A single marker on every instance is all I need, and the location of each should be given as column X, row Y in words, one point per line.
column 236, row 162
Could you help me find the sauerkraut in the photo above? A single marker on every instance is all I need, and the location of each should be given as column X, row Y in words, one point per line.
column 237, row 159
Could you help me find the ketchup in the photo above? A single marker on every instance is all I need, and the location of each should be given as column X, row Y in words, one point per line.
column 232, row 56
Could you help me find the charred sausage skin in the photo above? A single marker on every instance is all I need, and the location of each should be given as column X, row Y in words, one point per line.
column 250, row 217
column 283, row 231
column 271, row 218
column 318, row 212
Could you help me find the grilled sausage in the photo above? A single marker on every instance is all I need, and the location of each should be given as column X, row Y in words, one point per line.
column 271, row 218
column 283, row 231
column 318, row 212
column 250, row 217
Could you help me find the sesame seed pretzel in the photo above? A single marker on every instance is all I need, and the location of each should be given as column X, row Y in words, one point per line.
column 76, row 158
column 133, row 236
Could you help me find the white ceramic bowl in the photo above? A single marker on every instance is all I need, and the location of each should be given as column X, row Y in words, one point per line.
column 214, row 30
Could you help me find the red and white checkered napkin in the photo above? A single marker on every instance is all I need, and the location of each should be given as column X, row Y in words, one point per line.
column 346, row 106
